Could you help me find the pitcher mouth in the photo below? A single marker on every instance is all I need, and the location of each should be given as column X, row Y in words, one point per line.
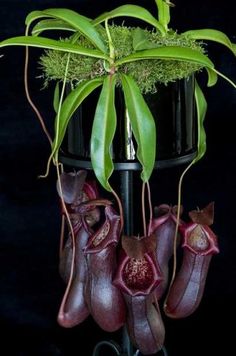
column 138, row 274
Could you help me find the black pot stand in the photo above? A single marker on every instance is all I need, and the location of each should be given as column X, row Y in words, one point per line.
column 174, row 112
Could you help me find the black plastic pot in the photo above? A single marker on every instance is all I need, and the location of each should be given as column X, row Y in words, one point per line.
column 173, row 109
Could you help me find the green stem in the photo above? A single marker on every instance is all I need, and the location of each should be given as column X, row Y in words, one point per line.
column 110, row 43
column 163, row 13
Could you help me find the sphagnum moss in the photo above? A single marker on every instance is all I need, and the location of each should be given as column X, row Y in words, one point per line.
column 147, row 73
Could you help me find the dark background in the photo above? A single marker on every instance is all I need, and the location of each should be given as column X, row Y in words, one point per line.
column 30, row 287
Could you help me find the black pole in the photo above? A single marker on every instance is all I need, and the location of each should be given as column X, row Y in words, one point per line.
column 126, row 191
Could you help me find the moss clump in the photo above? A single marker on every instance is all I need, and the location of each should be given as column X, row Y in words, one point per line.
column 53, row 64
column 147, row 73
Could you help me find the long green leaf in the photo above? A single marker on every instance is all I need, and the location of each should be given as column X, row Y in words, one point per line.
column 201, row 106
column 103, row 131
column 174, row 53
column 170, row 53
column 51, row 24
column 143, row 125
column 47, row 43
column 131, row 11
column 69, row 106
column 32, row 16
column 72, row 18
column 211, row 35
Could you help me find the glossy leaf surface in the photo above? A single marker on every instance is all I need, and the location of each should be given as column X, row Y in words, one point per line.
column 201, row 106
column 51, row 24
column 46, row 43
column 211, row 35
column 142, row 123
column 70, row 104
column 212, row 77
column 174, row 53
column 103, row 130
column 131, row 11
column 170, row 53
column 72, row 18
column 32, row 16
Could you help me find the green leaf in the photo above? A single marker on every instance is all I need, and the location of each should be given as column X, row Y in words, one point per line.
column 69, row 106
column 170, row 53
column 143, row 125
column 32, row 16
column 72, row 18
column 42, row 42
column 234, row 48
column 201, row 106
column 131, row 11
column 175, row 53
column 51, row 24
column 56, row 97
column 163, row 13
column 140, row 40
column 103, row 131
column 211, row 35
column 212, row 77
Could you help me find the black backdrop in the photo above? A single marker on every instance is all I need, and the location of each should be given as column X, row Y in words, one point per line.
column 30, row 287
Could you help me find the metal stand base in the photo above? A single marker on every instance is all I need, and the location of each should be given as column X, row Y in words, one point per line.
column 116, row 350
